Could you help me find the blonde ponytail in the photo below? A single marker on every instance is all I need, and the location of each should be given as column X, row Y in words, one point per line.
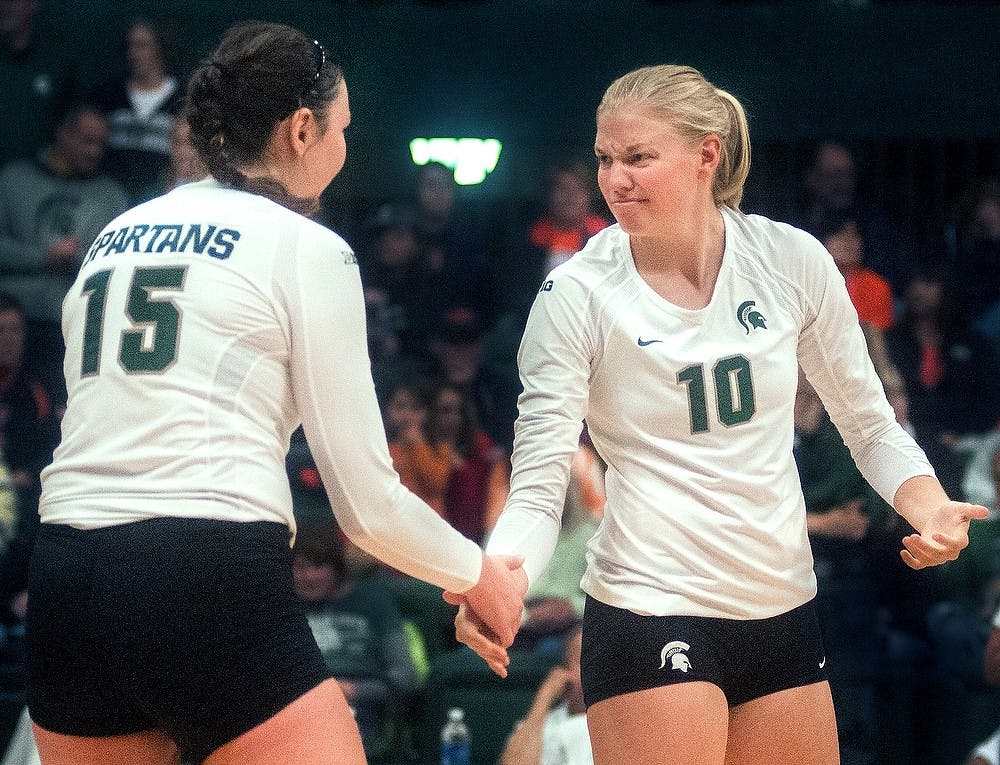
column 734, row 165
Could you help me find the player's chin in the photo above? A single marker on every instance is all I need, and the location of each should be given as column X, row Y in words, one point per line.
column 632, row 223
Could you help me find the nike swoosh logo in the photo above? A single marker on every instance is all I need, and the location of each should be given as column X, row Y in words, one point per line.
column 822, row 663
column 644, row 343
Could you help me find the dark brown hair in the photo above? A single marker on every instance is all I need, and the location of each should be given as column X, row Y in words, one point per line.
column 259, row 75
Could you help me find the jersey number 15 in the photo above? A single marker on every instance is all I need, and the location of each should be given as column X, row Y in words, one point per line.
column 157, row 317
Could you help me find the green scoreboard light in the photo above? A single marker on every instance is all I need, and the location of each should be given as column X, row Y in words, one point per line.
column 472, row 159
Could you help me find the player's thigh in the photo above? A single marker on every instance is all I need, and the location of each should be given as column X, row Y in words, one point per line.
column 796, row 725
column 315, row 729
column 147, row 748
column 683, row 724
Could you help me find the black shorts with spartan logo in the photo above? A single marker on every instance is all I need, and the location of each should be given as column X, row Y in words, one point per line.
column 625, row 652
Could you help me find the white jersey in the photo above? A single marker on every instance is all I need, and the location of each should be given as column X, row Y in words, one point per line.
column 203, row 327
column 692, row 411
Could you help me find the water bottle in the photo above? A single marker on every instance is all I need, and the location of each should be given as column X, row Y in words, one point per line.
column 455, row 742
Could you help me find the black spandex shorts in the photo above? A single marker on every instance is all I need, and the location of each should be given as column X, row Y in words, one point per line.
column 625, row 652
column 188, row 626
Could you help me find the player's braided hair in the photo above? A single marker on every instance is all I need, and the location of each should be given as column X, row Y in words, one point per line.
column 260, row 73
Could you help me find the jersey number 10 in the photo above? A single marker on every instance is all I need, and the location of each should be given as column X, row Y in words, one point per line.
column 734, row 394
column 159, row 316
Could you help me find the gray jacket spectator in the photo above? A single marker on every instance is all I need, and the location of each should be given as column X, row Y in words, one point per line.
column 51, row 209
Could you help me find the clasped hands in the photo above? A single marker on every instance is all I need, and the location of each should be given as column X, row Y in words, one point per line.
column 489, row 613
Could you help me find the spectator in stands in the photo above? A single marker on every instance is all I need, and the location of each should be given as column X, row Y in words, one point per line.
column 8, row 512
column 565, row 226
column 938, row 627
column 972, row 248
column 141, row 107
column 988, row 752
column 385, row 325
column 39, row 80
column 54, row 208
column 959, row 626
column 950, row 372
column 453, row 243
column 396, row 277
column 477, row 483
column 29, row 422
column 435, row 204
column 456, row 347
column 554, row 732
column 29, row 431
column 840, row 233
column 831, row 186
column 871, row 295
column 424, row 468
column 838, row 516
column 569, row 220
column 359, row 632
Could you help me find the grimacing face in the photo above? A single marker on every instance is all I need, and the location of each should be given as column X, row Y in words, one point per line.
column 648, row 174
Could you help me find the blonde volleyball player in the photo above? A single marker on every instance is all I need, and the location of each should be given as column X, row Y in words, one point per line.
column 202, row 328
column 677, row 333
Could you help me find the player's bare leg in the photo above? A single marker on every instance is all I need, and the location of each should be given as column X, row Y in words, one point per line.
column 315, row 729
column 146, row 748
column 683, row 724
column 796, row 725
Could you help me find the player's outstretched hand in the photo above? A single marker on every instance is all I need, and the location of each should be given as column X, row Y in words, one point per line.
column 944, row 536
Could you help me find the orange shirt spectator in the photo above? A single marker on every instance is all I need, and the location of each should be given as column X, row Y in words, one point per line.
column 549, row 235
column 423, row 468
column 569, row 221
column 872, row 298
column 870, row 293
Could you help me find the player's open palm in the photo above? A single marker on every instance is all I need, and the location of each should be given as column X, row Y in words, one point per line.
column 944, row 536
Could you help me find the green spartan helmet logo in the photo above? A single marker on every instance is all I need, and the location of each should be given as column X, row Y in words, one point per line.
column 748, row 317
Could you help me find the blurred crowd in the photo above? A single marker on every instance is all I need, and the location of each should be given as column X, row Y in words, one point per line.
column 447, row 293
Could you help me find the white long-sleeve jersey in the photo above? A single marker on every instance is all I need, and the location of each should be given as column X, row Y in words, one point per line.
column 692, row 411
column 203, row 327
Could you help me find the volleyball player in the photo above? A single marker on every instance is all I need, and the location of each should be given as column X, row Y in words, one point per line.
column 202, row 328
column 677, row 334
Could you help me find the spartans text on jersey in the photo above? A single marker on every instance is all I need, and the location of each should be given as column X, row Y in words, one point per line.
column 166, row 237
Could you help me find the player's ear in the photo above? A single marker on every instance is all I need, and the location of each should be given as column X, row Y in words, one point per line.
column 710, row 151
column 302, row 130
